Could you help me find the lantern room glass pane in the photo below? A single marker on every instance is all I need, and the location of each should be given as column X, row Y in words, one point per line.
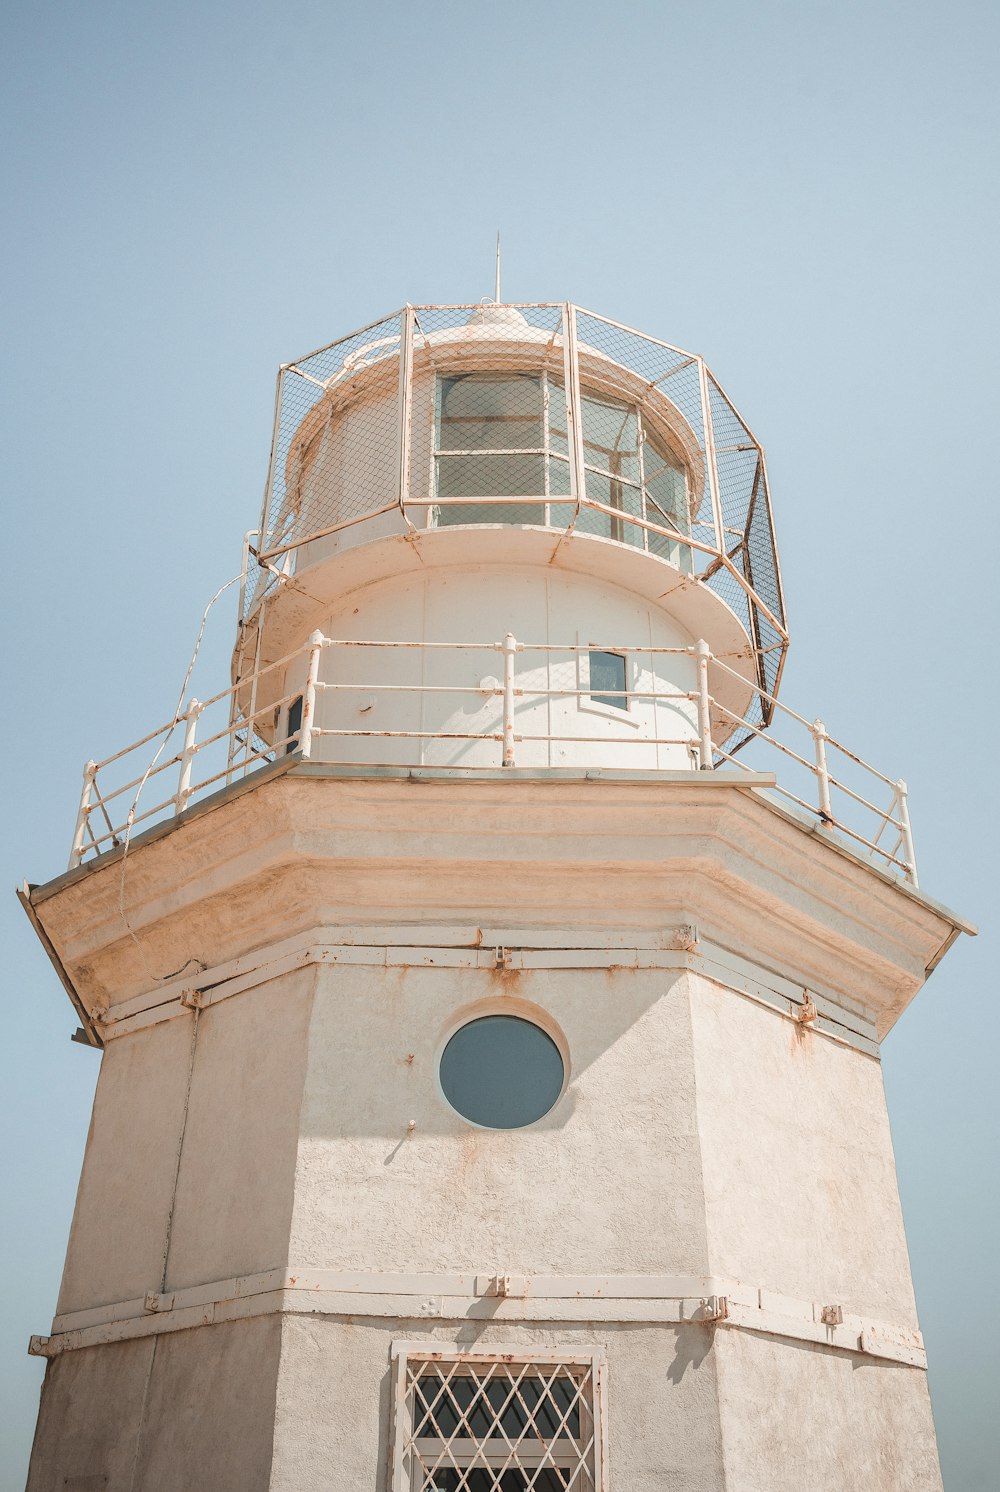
column 559, row 479
column 610, row 436
column 501, row 1072
column 490, row 443
column 505, row 435
column 666, row 488
column 491, row 476
column 625, row 498
column 487, row 412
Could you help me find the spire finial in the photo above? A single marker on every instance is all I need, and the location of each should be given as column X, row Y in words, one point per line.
column 496, row 296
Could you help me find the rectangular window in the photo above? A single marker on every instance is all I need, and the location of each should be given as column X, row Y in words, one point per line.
column 609, row 679
column 493, row 440
column 294, row 724
column 496, row 1422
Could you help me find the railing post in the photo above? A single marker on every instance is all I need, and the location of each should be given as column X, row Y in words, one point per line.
column 83, row 813
column 316, row 642
column 405, row 408
column 187, row 756
column 703, row 653
column 508, row 648
column 822, row 771
column 574, row 414
column 909, row 854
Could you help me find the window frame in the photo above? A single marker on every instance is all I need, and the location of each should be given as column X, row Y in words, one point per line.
column 407, row 1452
column 585, row 700
column 601, row 697
column 542, row 500
column 548, row 1029
column 620, row 529
column 293, row 737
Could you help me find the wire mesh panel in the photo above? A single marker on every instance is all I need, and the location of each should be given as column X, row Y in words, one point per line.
column 488, row 393
column 643, row 440
column 335, row 452
column 497, row 1423
column 540, row 415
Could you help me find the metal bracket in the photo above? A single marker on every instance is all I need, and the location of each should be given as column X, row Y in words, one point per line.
column 194, row 999
column 713, row 1308
column 508, row 1285
column 684, row 938
column 832, row 1315
column 808, row 1013
column 502, row 956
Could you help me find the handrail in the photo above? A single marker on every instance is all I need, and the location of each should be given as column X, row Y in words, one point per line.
column 711, row 732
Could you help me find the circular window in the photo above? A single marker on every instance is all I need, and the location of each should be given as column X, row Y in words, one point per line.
column 501, row 1072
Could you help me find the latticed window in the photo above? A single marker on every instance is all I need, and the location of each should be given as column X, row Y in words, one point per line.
column 501, row 1422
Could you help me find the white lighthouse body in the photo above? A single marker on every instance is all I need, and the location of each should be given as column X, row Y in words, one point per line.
column 490, row 1093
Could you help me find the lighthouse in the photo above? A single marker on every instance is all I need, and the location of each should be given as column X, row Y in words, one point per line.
column 491, row 973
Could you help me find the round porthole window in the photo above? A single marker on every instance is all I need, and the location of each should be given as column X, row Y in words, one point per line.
column 502, row 1072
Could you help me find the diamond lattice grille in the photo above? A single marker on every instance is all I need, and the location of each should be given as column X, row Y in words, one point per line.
column 492, row 1424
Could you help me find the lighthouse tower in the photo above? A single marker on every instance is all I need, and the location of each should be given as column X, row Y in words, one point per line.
column 490, row 977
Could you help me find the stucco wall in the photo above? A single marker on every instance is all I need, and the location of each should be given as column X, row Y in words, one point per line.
column 187, row 1412
column 334, row 1396
column 802, row 1418
column 701, row 1134
column 123, row 1203
column 231, row 1146
column 237, row 1171
column 608, row 1182
column 800, row 1183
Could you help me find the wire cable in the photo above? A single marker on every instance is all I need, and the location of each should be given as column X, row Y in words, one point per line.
column 178, row 717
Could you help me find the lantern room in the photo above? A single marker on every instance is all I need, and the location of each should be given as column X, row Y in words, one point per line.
column 453, row 476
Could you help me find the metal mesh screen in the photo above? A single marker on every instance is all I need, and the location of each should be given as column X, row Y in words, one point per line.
column 480, row 1424
column 488, row 384
column 335, row 452
column 663, row 383
column 542, row 415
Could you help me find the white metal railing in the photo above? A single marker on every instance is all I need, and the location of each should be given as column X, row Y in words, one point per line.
column 243, row 737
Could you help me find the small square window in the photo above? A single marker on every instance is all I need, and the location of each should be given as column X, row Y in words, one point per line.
column 496, row 1422
column 609, row 679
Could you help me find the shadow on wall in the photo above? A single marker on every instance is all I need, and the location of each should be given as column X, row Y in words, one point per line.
column 693, row 1345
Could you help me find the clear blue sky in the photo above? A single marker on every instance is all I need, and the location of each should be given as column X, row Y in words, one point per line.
column 806, row 193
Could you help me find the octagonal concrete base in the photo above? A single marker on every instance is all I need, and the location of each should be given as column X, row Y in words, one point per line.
column 275, row 1189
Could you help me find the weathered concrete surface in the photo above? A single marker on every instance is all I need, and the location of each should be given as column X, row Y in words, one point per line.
column 123, row 1205
column 800, row 1181
column 801, row 1418
column 190, row 1165
column 334, row 1394
column 188, row 1412
column 306, row 850
column 609, row 1181
column 235, row 1184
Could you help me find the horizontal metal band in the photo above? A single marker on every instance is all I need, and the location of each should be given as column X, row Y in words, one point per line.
column 664, row 1299
column 486, row 949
